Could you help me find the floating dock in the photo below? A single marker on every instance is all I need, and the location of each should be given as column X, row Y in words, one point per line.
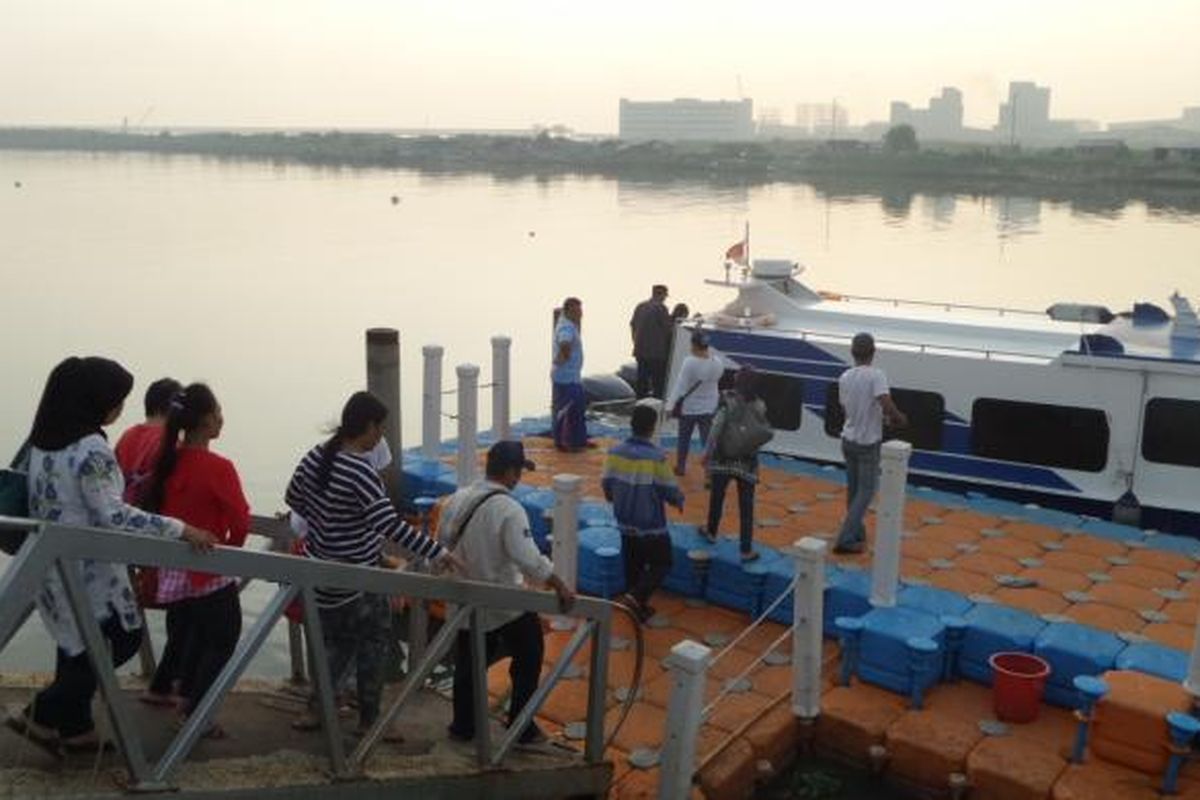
column 978, row 575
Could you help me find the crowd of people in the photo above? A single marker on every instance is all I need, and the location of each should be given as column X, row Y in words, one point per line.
column 164, row 480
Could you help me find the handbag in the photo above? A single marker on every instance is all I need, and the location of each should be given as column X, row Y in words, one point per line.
column 145, row 586
column 14, row 499
column 677, row 406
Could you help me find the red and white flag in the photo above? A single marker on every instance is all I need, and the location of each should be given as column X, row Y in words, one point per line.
column 737, row 253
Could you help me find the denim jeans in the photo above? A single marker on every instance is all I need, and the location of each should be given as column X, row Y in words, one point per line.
column 716, row 506
column 688, row 423
column 862, row 479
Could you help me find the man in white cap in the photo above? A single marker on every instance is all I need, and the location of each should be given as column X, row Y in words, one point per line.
column 488, row 530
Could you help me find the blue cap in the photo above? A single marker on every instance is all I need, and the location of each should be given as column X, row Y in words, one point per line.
column 505, row 455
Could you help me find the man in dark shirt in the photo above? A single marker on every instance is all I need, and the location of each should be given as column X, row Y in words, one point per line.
column 651, row 327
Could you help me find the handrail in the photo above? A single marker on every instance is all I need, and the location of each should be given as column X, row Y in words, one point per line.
column 62, row 547
column 834, row 297
column 920, row 347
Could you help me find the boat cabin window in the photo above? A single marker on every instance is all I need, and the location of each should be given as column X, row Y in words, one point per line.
column 1039, row 433
column 1171, row 432
column 925, row 411
column 783, row 394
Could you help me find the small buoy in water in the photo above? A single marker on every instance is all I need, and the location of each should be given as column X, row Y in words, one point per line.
column 17, row 184
column 395, row 199
column 532, row 234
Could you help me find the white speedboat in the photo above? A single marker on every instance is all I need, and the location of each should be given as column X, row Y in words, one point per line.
column 1075, row 407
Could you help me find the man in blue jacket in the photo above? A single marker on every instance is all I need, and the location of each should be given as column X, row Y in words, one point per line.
column 639, row 482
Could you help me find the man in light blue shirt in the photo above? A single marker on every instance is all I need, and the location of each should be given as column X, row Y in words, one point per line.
column 566, row 374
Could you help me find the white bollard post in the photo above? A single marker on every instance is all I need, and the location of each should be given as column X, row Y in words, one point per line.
column 431, row 401
column 889, row 522
column 657, row 405
column 468, row 422
column 688, row 665
column 564, row 550
column 808, row 614
column 501, row 346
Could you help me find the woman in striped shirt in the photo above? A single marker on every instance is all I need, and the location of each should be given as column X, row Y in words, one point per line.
column 349, row 516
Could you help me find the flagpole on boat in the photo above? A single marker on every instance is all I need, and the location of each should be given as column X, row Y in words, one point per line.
column 747, row 241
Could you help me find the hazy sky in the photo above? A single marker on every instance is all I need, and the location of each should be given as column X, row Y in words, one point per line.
column 513, row 63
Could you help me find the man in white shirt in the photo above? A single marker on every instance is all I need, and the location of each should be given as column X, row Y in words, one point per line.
column 866, row 400
column 694, row 396
column 488, row 530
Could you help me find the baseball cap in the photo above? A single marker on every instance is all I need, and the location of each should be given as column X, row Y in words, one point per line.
column 506, row 454
column 699, row 339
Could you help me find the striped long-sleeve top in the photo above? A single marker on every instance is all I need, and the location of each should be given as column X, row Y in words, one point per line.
column 638, row 482
column 349, row 519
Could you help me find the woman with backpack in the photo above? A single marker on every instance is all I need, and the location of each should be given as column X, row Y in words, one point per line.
column 74, row 479
column 739, row 430
column 204, row 614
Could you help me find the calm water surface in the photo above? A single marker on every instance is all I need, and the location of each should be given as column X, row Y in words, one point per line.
column 261, row 279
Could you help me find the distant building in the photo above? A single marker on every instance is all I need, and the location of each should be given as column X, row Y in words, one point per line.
column 1102, row 148
column 1026, row 115
column 1182, row 131
column 943, row 120
column 821, row 119
column 687, row 119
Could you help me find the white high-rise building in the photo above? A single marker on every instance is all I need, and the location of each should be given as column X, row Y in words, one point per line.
column 687, row 119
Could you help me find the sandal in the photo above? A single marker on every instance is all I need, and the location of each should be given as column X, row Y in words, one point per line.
column 86, row 743
column 160, row 700
column 45, row 738
column 307, row 723
column 214, row 731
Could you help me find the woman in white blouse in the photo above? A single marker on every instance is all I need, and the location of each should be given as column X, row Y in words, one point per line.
column 697, row 387
column 74, row 479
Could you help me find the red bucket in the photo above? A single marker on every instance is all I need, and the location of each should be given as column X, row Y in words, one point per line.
column 1018, row 680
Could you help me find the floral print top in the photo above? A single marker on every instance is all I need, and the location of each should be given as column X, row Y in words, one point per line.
column 82, row 485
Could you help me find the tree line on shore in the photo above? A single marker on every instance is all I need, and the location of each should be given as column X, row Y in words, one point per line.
column 898, row 160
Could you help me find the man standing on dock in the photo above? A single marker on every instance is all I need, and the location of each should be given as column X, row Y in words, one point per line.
column 569, row 402
column 485, row 527
column 638, row 482
column 651, row 327
column 866, row 400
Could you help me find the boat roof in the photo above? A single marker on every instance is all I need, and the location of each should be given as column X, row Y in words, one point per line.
column 790, row 308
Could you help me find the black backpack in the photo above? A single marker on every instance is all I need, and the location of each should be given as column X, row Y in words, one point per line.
column 746, row 428
column 14, row 499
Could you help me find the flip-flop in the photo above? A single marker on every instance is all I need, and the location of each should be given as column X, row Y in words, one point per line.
column 214, row 731
column 307, row 723
column 159, row 700
column 87, row 743
column 34, row 734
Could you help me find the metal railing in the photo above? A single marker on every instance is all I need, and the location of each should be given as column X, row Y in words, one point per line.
column 62, row 548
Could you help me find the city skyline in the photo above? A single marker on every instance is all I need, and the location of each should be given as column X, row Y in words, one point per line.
column 374, row 64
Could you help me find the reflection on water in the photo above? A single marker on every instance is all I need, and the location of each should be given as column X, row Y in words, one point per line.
column 1016, row 216
column 262, row 277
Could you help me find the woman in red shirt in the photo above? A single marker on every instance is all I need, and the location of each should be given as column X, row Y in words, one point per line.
column 194, row 484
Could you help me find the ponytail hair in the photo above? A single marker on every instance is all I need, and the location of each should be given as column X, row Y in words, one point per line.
column 185, row 413
column 361, row 410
